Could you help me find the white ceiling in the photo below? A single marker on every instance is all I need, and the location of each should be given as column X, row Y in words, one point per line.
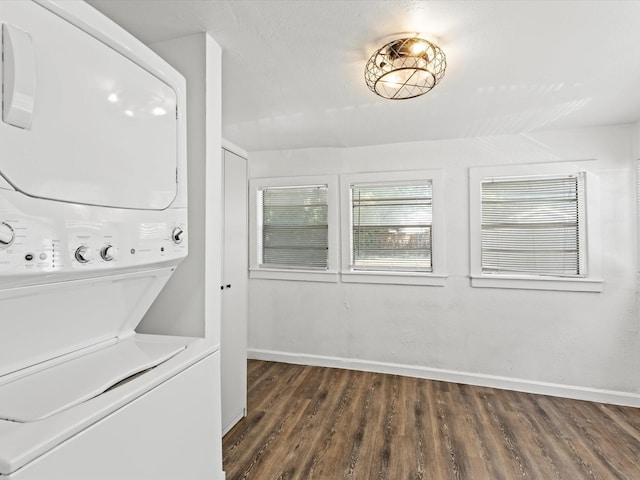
column 293, row 69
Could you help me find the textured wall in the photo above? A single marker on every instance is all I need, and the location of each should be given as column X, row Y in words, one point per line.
column 183, row 305
column 588, row 340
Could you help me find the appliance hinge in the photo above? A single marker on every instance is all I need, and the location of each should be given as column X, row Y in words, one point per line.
column 177, row 114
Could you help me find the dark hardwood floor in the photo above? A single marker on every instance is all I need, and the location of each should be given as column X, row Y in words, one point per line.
column 324, row 423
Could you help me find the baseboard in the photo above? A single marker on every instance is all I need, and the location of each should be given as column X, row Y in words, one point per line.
column 505, row 383
column 236, row 418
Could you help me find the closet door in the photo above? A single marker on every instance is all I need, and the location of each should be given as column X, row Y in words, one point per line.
column 233, row 345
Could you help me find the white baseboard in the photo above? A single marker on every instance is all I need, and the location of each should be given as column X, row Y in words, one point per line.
column 235, row 419
column 505, row 383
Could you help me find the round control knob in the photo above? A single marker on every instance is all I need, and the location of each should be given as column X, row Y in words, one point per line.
column 177, row 235
column 84, row 254
column 108, row 253
column 6, row 234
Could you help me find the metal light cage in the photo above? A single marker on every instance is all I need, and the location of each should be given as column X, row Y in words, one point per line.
column 405, row 68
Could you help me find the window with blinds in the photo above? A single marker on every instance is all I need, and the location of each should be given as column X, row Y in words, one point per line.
column 294, row 227
column 533, row 225
column 392, row 227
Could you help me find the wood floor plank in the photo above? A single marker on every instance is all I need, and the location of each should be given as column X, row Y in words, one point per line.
column 471, row 433
column 308, row 422
column 585, row 459
column 330, row 454
column 544, row 449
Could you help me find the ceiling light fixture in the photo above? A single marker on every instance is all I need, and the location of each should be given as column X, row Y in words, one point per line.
column 405, row 68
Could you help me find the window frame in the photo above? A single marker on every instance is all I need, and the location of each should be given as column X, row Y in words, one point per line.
column 437, row 277
column 330, row 274
column 590, row 242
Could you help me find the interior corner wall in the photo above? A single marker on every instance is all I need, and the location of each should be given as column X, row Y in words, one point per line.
column 636, row 154
column 574, row 339
column 198, row 58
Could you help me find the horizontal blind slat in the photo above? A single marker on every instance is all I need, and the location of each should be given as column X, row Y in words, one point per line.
column 391, row 227
column 530, row 226
column 294, row 227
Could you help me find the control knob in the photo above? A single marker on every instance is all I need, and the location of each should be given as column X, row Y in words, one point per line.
column 6, row 234
column 109, row 253
column 177, row 235
column 84, row 254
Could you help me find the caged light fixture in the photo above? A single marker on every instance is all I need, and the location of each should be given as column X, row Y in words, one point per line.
column 405, row 68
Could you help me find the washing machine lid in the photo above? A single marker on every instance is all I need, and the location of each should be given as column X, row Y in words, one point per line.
column 65, row 385
column 82, row 123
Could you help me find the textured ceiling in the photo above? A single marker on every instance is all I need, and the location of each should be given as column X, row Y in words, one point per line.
column 293, row 69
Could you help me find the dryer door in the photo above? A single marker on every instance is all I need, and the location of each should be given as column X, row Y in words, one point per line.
column 82, row 123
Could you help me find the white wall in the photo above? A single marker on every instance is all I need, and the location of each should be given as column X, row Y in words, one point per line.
column 190, row 302
column 521, row 339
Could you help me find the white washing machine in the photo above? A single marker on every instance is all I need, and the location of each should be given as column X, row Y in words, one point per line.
column 93, row 221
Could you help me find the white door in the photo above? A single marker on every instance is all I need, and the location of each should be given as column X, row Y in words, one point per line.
column 233, row 345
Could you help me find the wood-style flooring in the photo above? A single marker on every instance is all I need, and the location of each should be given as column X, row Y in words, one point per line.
column 323, row 423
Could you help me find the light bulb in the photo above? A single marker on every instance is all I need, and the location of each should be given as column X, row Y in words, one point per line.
column 392, row 81
column 418, row 47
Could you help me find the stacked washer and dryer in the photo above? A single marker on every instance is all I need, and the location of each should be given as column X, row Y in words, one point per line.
column 93, row 222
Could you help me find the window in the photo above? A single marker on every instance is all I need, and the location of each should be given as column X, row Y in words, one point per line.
column 293, row 228
column 529, row 227
column 533, row 226
column 392, row 228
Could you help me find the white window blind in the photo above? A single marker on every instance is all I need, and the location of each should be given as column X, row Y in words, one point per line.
column 294, row 223
column 391, row 227
column 533, row 225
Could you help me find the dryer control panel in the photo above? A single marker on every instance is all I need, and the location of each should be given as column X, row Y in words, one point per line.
column 63, row 242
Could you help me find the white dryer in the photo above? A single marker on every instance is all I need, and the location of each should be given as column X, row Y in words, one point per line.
column 93, row 221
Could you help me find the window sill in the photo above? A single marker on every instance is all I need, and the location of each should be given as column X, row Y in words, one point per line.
column 537, row 283
column 394, row 278
column 297, row 275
